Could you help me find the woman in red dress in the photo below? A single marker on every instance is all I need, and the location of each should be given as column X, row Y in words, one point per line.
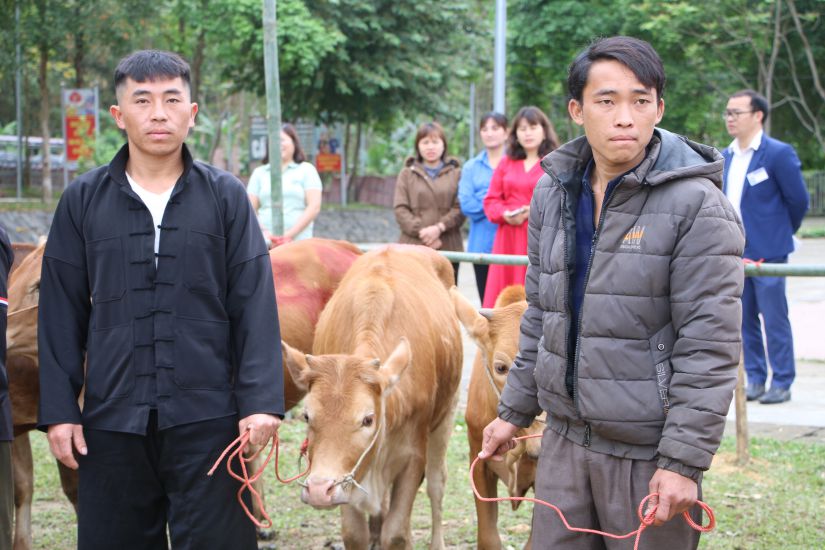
column 508, row 200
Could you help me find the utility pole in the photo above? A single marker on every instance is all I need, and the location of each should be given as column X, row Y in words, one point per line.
column 471, row 153
column 18, row 98
column 499, row 58
column 273, row 111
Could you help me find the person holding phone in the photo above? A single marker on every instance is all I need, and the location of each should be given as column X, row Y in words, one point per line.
column 507, row 203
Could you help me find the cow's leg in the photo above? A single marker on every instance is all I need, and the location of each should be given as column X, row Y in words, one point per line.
column 23, row 474
column 377, row 521
column 486, row 481
column 68, row 481
column 354, row 529
column 437, row 475
column 396, row 533
column 252, row 467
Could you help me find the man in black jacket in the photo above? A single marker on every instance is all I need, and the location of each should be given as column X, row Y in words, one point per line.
column 157, row 300
column 6, row 485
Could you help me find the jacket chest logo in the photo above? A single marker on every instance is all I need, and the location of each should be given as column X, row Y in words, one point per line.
column 633, row 238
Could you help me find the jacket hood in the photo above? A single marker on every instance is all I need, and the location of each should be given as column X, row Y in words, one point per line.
column 669, row 157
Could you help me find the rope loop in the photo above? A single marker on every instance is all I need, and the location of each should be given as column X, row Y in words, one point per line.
column 235, row 451
column 645, row 518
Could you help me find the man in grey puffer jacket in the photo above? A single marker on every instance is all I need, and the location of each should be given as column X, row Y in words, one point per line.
column 631, row 339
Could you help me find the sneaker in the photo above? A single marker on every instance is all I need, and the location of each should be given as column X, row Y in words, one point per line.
column 776, row 395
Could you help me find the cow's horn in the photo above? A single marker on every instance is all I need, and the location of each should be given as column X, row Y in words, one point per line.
column 486, row 312
column 376, row 362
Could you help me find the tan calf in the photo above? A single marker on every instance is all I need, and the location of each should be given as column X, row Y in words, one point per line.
column 382, row 390
column 496, row 332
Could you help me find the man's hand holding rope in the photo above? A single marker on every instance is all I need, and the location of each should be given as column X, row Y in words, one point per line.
column 261, row 427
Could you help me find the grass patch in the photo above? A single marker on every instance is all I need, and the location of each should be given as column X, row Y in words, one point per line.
column 777, row 501
column 811, row 233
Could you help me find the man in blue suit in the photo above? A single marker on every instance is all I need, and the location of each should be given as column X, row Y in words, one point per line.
column 763, row 180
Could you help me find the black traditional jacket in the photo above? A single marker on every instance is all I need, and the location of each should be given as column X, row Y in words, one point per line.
column 195, row 337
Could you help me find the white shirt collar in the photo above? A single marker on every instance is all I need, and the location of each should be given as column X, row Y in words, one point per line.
column 754, row 144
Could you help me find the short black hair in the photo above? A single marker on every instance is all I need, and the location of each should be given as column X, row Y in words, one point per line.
column 150, row 65
column 498, row 118
column 637, row 55
column 758, row 102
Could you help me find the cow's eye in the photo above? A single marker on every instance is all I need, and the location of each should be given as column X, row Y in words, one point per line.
column 501, row 368
column 306, row 417
column 368, row 420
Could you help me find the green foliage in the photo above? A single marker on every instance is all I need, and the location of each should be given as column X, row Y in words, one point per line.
column 400, row 58
column 710, row 49
column 304, row 41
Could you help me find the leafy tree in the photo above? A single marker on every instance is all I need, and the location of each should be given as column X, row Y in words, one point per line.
column 710, row 49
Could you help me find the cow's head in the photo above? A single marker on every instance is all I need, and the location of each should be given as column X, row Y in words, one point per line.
column 496, row 333
column 345, row 411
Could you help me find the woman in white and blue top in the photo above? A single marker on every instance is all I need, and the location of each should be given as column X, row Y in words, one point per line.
column 301, row 188
column 472, row 188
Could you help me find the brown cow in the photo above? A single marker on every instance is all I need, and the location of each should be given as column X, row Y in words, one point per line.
column 496, row 332
column 382, row 392
column 305, row 274
column 21, row 362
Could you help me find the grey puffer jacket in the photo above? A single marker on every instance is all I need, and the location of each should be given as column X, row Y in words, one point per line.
column 659, row 335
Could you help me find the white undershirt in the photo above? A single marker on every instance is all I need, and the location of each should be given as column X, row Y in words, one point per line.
column 737, row 172
column 156, row 203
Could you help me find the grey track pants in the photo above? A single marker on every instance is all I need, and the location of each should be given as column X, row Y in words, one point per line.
column 598, row 491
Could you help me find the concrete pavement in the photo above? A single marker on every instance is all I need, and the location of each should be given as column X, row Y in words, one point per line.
column 802, row 418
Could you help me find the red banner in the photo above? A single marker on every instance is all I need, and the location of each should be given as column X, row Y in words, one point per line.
column 328, row 162
column 79, row 117
column 80, row 136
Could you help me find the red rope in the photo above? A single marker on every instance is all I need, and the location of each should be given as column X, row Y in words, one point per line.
column 645, row 520
column 240, row 444
column 757, row 263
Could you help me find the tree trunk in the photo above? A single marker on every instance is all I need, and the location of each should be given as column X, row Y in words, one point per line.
column 42, row 79
column 776, row 44
column 217, row 139
column 79, row 49
column 197, row 65
column 351, row 194
column 356, row 153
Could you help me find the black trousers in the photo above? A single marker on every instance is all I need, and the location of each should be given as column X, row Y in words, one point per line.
column 481, row 278
column 132, row 486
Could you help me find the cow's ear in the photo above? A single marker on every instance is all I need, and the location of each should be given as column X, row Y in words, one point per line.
column 396, row 364
column 296, row 363
column 477, row 325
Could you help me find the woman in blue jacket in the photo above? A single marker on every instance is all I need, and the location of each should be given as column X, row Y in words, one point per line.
column 472, row 188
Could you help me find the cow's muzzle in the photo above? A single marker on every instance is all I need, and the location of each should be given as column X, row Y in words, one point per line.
column 321, row 492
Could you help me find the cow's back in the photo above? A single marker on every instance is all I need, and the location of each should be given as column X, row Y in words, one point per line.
column 306, row 273
column 389, row 294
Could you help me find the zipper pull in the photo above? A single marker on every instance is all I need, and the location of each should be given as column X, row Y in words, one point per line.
column 587, row 434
